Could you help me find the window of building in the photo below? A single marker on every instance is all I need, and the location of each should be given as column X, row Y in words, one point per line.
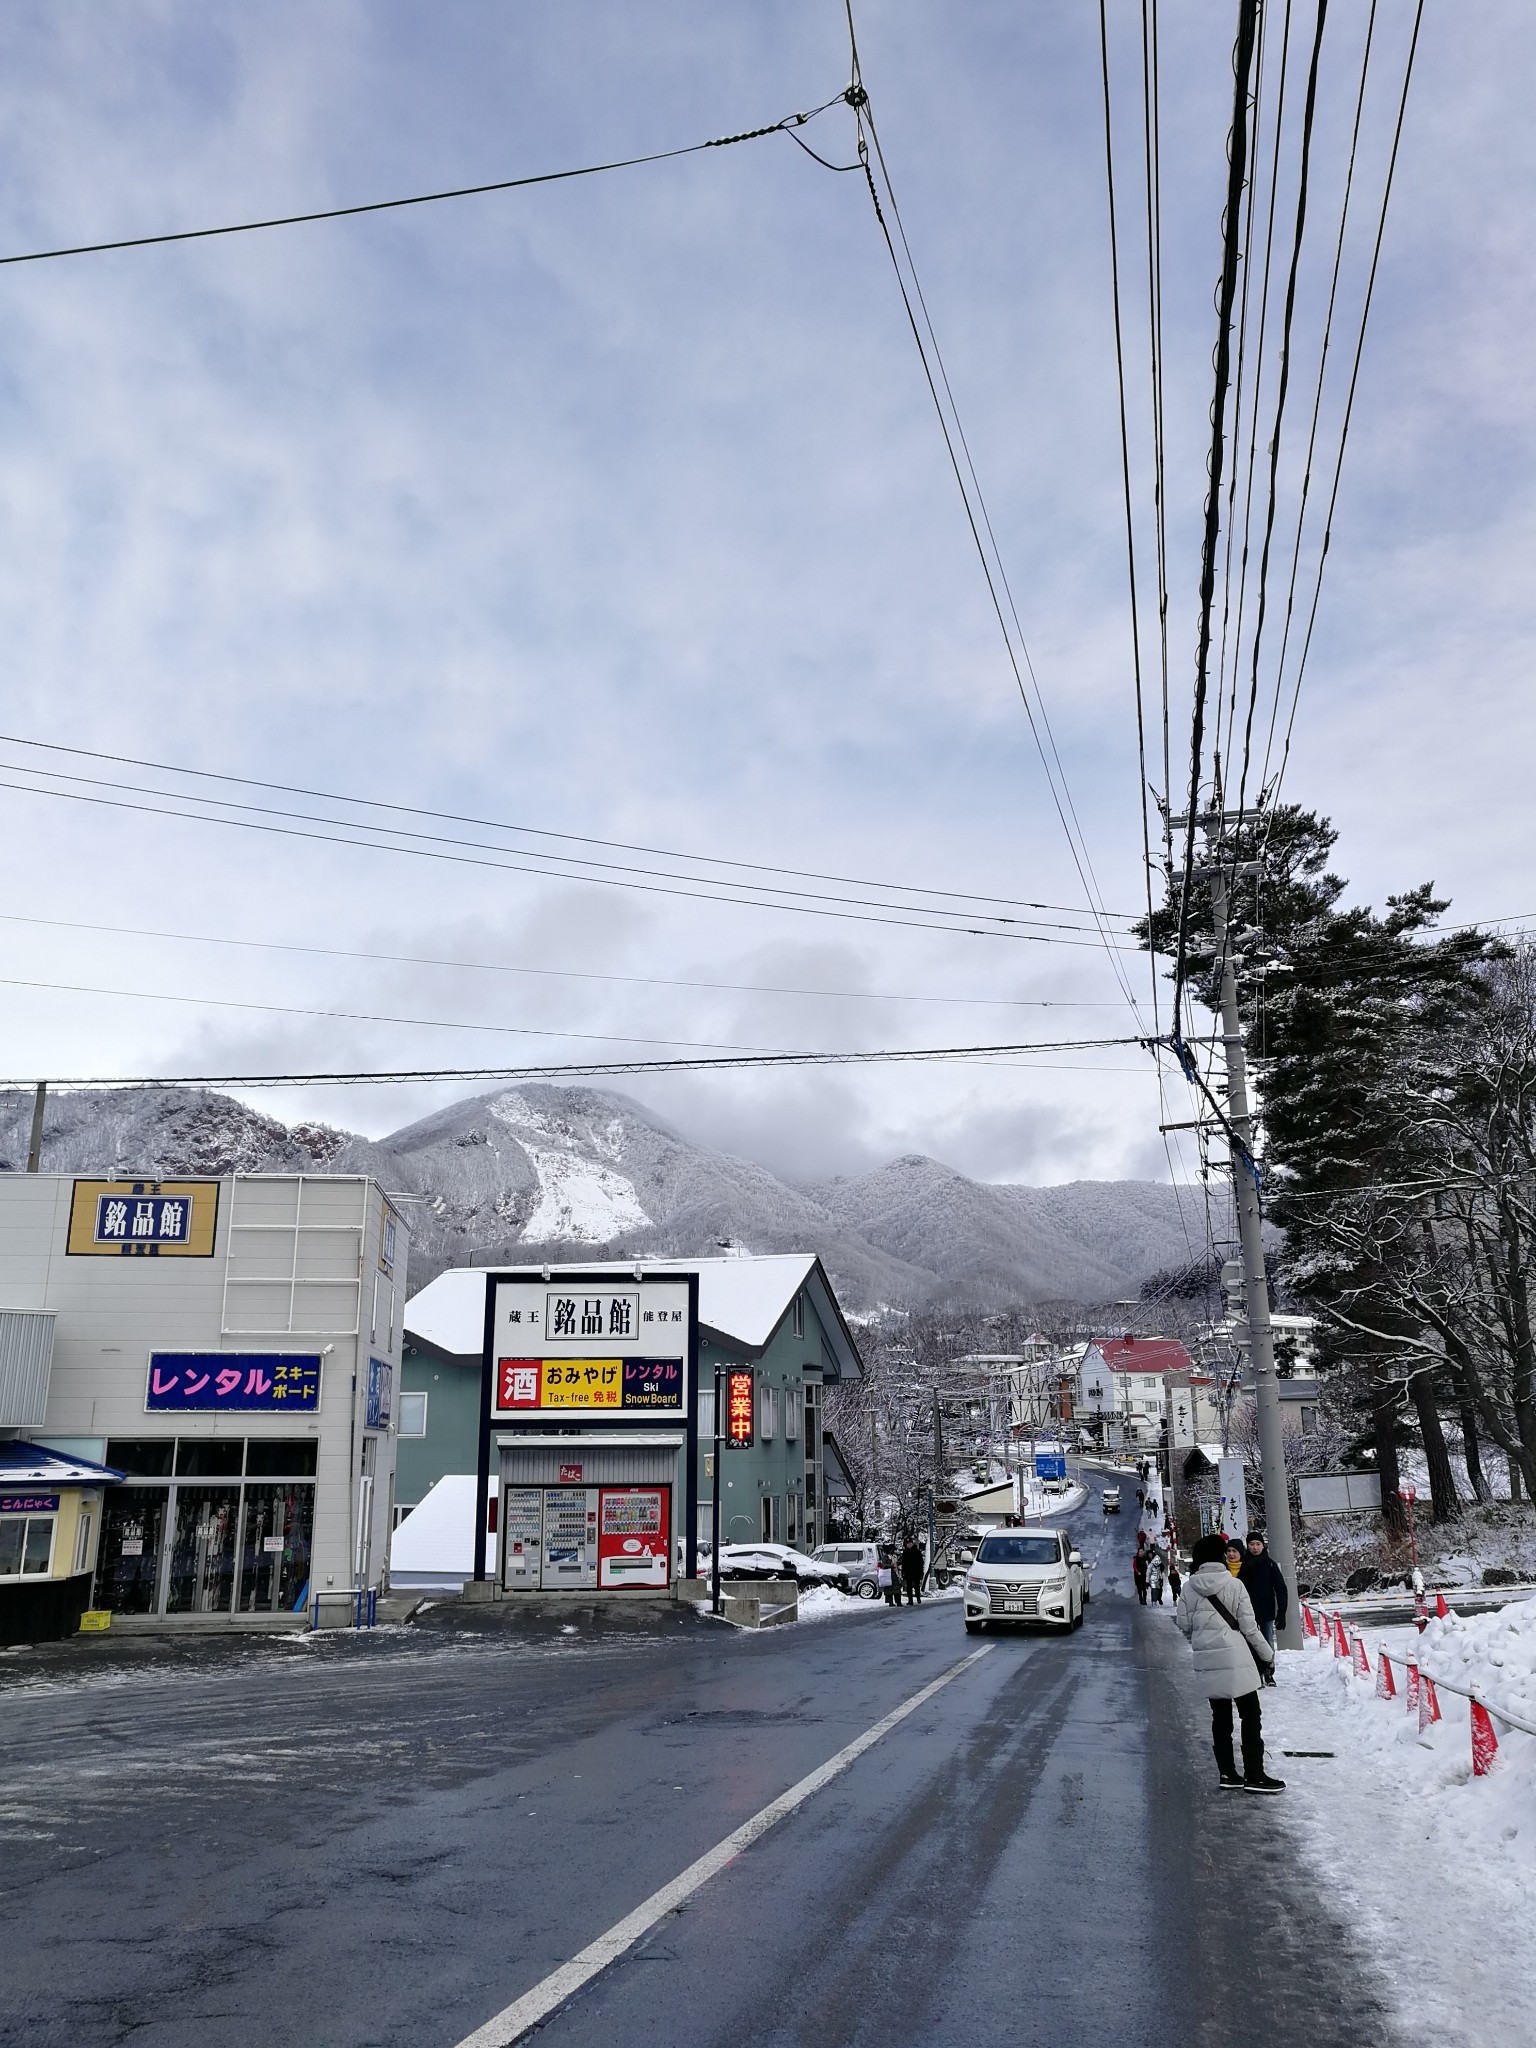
column 413, row 1414
column 776, row 1534
column 141, row 1459
column 792, row 1519
column 767, row 1412
column 766, row 1505
column 707, row 1414
column 83, row 1541
column 206, row 1457
column 26, row 1546
column 282, row 1458
column 794, row 1401
column 797, row 1316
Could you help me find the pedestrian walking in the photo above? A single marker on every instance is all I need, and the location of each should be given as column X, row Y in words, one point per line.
column 913, row 1569
column 1267, row 1590
column 1155, row 1576
column 885, row 1579
column 1216, row 1614
column 1139, row 1574
column 1175, row 1580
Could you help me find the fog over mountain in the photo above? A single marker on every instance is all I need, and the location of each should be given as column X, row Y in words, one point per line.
column 567, row 1171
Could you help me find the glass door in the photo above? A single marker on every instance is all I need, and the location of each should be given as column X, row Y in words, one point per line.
column 202, row 1575
column 275, row 1535
column 128, row 1558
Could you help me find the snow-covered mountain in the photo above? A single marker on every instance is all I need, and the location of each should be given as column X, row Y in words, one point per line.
column 577, row 1169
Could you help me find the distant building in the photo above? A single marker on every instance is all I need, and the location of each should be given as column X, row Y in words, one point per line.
column 1124, row 1381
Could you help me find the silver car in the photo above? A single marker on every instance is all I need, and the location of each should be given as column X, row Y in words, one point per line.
column 1021, row 1575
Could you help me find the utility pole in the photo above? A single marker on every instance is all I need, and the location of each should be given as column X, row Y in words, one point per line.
column 1277, row 1497
column 35, row 1145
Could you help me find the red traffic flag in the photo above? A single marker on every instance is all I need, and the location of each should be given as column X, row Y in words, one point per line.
column 1385, row 1689
column 1485, row 1744
column 1429, row 1706
column 1361, row 1661
column 1413, row 1688
column 1441, row 1610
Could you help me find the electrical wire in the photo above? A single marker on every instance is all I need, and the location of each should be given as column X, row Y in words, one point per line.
column 1349, row 404
column 908, row 1056
column 707, row 860
column 1004, row 929
column 752, row 988
column 786, row 126
column 977, row 517
column 1236, row 170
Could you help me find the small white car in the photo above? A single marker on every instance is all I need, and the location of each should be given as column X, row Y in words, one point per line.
column 1021, row 1575
column 779, row 1561
column 861, row 1561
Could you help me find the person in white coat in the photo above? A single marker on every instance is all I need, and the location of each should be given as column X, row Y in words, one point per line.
column 1214, row 1611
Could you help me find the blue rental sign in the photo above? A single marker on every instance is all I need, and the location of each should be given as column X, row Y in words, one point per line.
column 1050, row 1464
column 235, row 1382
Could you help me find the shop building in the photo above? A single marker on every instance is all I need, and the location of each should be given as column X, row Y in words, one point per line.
column 774, row 1319
column 224, row 1354
column 50, row 1516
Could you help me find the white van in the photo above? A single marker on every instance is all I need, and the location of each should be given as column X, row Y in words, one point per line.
column 860, row 1561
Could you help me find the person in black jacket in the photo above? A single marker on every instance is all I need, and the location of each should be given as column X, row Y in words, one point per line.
column 913, row 1568
column 1267, row 1591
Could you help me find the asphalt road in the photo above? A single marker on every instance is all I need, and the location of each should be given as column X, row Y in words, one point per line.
column 336, row 1841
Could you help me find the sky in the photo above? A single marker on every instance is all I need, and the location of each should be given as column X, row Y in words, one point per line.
column 618, row 507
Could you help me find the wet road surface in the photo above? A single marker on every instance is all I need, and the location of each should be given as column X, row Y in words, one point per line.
column 337, row 1841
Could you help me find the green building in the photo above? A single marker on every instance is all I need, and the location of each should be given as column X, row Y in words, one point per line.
column 775, row 1315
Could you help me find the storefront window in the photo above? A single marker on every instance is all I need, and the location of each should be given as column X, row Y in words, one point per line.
column 206, row 1457
column 128, row 1562
column 274, row 1548
column 26, row 1546
column 147, row 1458
column 203, row 1550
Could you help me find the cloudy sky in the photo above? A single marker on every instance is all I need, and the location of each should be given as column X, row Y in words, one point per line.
column 617, row 508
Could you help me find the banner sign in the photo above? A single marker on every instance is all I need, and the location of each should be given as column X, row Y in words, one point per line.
column 739, row 1415
column 151, row 1219
column 1050, row 1465
column 235, row 1382
column 29, row 1503
column 588, row 1383
column 594, row 1347
column 381, row 1384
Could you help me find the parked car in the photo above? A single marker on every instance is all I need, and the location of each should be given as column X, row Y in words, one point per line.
column 860, row 1561
column 1111, row 1499
column 1021, row 1575
column 778, row 1561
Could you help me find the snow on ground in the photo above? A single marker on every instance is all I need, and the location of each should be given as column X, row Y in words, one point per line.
column 1434, row 1867
column 1053, row 1505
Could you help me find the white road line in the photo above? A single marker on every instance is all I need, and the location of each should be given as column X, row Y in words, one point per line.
column 525, row 2013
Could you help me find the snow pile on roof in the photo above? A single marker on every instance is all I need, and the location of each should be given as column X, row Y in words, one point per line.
column 1427, row 1860
column 743, row 1298
column 433, row 1550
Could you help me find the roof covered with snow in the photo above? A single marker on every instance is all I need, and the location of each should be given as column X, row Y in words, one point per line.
column 28, row 1464
column 1143, row 1354
column 742, row 1299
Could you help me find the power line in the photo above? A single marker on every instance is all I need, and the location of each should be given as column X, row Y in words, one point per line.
column 707, row 860
column 908, row 1056
column 1349, row 404
column 786, row 126
column 1001, row 929
column 1238, row 154
column 552, row 973
column 977, row 516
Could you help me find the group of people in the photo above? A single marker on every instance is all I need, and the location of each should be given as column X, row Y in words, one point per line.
column 901, row 1570
column 1232, row 1605
column 1153, row 1568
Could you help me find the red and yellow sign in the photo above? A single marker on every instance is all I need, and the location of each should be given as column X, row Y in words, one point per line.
column 739, row 1417
column 589, row 1383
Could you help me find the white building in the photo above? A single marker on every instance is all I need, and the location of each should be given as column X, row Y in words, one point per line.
column 227, row 1350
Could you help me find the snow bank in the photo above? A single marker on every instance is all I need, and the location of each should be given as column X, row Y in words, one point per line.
column 1435, row 1867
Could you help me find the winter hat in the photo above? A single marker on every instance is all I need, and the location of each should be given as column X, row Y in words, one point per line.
column 1210, row 1549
